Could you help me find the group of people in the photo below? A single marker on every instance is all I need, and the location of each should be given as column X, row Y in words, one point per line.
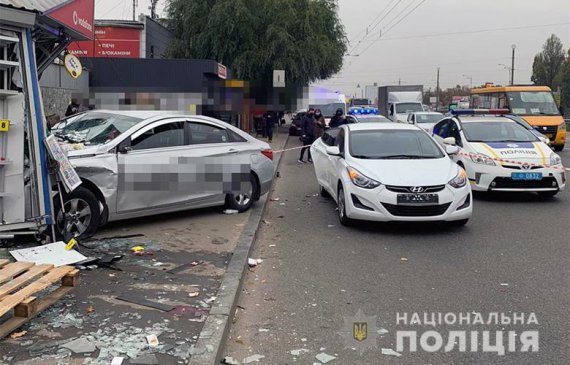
column 313, row 125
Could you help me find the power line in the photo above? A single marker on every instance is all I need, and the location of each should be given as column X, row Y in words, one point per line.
column 400, row 13
column 394, row 25
column 113, row 8
column 365, row 31
column 375, row 26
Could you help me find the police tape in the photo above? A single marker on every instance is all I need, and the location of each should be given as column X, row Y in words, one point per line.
column 524, row 165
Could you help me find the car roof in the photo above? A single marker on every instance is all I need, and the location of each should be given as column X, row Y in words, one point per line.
column 142, row 114
column 484, row 118
column 428, row 113
column 386, row 126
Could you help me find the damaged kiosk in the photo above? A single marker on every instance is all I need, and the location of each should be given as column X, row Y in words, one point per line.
column 32, row 170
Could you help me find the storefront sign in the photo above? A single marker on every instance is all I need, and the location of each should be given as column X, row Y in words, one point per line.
column 222, row 71
column 110, row 42
column 72, row 65
column 77, row 15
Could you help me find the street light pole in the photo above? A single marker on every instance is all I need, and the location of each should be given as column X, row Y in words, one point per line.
column 514, row 46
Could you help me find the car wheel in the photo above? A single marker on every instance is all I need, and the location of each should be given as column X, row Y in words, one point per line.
column 460, row 223
column 547, row 194
column 243, row 201
column 324, row 192
column 81, row 215
column 341, row 205
column 558, row 147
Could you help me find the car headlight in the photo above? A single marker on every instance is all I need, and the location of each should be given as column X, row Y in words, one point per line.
column 482, row 159
column 555, row 160
column 361, row 180
column 460, row 180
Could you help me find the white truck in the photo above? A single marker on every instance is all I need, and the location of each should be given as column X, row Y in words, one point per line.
column 397, row 101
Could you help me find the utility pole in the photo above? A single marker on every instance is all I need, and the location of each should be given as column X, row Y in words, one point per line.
column 399, row 81
column 437, row 90
column 134, row 10
column 514, row 46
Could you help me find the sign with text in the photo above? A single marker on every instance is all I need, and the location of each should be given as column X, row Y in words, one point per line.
column 77, row 15
column 110, row 42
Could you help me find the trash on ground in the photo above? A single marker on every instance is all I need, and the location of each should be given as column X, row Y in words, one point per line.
column 403, row 259
column 274, row 199
column 90, row 309
column 53, row 253
column 282, row 204
column 18, row 334
column 194, row 294
column 390, row 352
column 272, row 245
column 211, row 300
column 252, row 358
column 265, row 221
column 137, row 249
column 80, row 346
column 117, row 360
column 131, row 298
column 254, row 262
column 263, row 330
column 231, row 211
column 382, row 331
column 325, row 358
column 228, row 360
column 298, row 352
column 331, row 225
column 504, row 284
column 152, row 340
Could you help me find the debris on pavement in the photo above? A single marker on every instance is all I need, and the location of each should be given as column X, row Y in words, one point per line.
column 299, row 352
column 325, row 358
column 403, row 259
column 263, row 330
column 265, row 221
column 117, row 360
column 18, row 334
column 228, row 360
column 254, row 262
column 382, row 331
column 504, row 284
column 274, row 199
column 194, row 294
column 131, row 298
column 211, row 300
column 253, row 358
column 137, row 249
column 152, row 340
column 390, row 352
column 231, row 211
column 80, row 346
column 53, row 253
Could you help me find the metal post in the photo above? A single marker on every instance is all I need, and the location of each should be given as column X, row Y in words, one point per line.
column 437, row 89
column 514, row 46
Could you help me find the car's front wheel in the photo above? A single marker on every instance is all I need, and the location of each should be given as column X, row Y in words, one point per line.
column 244, row 200
column 81, row 215
column 341, row 207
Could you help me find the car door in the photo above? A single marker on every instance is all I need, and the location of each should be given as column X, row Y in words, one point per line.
column 148, row 176
column 439, row 131
column 336, row 163
column 321, row 159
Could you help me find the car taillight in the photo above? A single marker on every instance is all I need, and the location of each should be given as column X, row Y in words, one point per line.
column 268, row 154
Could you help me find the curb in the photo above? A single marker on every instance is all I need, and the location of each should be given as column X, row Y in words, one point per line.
column 208, row 349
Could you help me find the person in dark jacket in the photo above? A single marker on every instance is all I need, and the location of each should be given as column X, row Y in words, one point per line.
column 320, row 124
column 338, row 119
column 270, row 121
column 308, row 126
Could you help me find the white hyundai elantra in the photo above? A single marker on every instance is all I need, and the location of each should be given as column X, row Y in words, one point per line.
column 391, row 172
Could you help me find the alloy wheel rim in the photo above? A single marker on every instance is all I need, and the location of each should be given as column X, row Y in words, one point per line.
column 244, row 199
column 77, row 217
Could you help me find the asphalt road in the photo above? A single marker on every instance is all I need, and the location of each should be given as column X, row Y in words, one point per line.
column 512, row 257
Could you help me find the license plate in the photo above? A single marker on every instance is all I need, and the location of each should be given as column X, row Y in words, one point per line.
column 526, row 176
column 418, row 199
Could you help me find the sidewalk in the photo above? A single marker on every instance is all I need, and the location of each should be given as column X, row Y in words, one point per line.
column 186, row 257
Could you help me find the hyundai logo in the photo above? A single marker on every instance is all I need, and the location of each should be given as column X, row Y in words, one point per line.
column 417, row 189
column 525, row 166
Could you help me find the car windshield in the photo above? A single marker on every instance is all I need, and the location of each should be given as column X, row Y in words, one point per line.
column 497, row 132
column 328, row 110
column 94, row 128
column 409, row 108
column 377, row 119
column 532, row 103
column 428, row 118
column 393, row 144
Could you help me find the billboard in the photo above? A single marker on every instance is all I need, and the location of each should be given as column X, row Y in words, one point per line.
column 77, row 15
column 109, row 42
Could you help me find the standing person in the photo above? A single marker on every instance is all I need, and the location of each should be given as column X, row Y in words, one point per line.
column 308, row 137
column 338, row 119
column 269, row 125
column 320, row 124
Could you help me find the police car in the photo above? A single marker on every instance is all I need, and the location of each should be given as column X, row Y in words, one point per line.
column 365, row 115
column 499, row 154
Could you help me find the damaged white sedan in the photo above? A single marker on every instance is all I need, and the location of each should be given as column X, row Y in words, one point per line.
column 135, row 164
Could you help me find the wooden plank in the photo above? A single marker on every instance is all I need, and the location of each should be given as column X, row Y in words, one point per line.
column 71, row 279
column 41, row 304
column 4, row 262
column 13, row 269
column 45, row 281
column 26, row 308
column 23, row 279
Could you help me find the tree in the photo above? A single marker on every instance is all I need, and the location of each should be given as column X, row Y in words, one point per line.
column 564, row 79
column 548, row 63
column 253, row 37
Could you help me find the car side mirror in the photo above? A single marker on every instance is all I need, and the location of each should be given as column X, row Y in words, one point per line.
column 450, row 141
column 333, row 151
column 124, row 146
column 451, row 150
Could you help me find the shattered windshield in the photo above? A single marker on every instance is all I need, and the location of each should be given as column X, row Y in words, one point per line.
column 94, row 128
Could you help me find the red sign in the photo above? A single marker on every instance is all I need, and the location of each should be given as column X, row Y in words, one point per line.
column 77, row 15
column 222, row 71
column 110, row 42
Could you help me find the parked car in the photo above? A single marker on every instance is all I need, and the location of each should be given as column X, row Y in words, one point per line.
column 134, row 164
column 296, row 129
column 425, row 120
column 390, row 172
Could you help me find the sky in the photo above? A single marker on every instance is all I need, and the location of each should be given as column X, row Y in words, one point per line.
column 401, row 46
